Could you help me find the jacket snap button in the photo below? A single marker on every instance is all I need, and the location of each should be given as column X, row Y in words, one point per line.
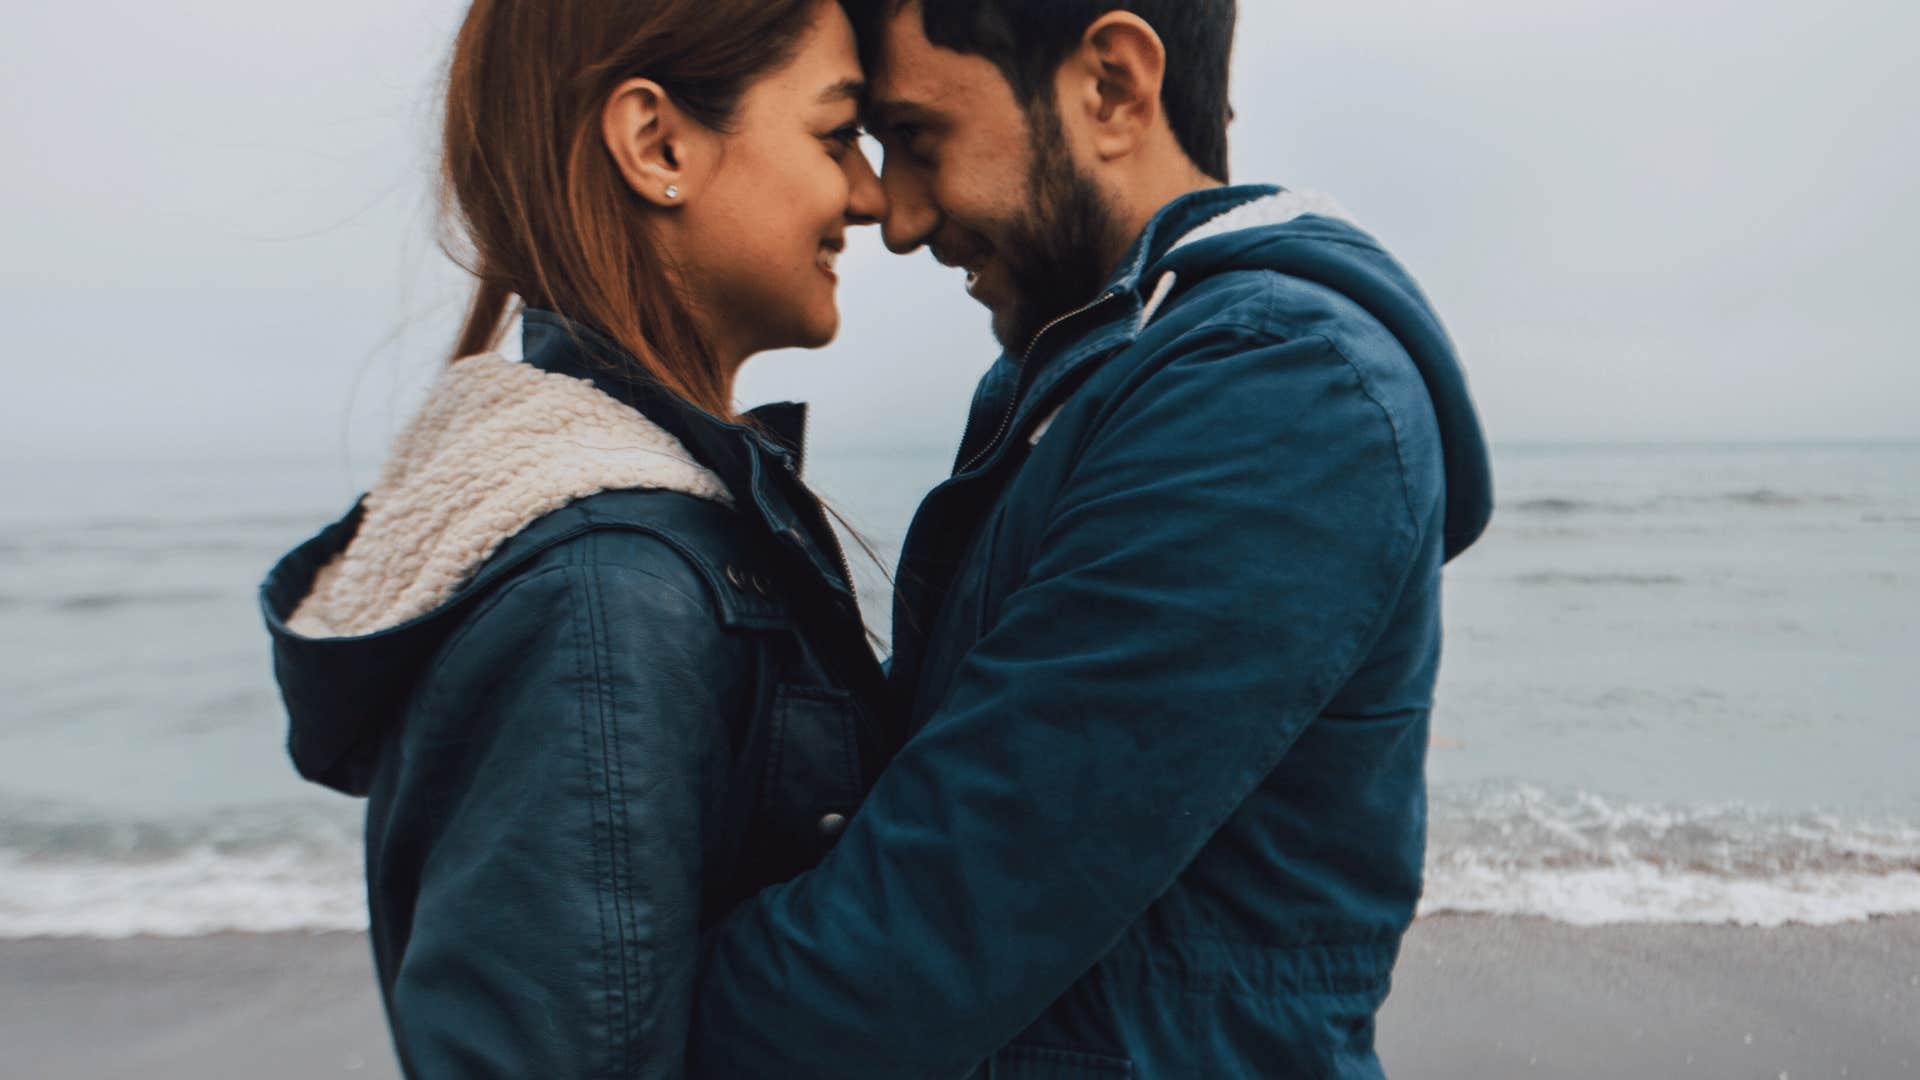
column 833, row 825
column 738, row 579
column 762, row 586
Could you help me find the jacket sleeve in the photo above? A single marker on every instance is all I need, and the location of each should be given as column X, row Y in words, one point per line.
column 1235, row 532
column 558, row 893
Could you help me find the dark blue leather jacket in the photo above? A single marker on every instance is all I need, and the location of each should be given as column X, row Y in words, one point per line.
column 642, row 709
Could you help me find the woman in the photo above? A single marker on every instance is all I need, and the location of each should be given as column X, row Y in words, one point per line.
column 590, row 647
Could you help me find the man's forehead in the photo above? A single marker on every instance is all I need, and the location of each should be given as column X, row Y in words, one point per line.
column 915, row 75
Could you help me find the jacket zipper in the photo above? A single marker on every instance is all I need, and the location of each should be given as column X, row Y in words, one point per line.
column 1026, row 363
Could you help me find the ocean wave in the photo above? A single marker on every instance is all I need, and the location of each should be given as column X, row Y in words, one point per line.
column 1748, row 498
column 1631, row 580
column 1494, row 850
column 205, row 525
column 1583, row 859
column 98, row 602
column 66, row 872
column 197, row 893
column 1559, row 507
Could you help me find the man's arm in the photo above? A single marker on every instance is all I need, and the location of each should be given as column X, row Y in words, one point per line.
column 1233, row 537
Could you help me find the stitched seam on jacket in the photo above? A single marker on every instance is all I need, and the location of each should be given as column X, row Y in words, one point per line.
column 1399, row 454
column 1408, row 559
column 564, row 549
column 612, row 769
column 470, row 622
column 1366, row 389
column 602, row 826
column 1383, row 607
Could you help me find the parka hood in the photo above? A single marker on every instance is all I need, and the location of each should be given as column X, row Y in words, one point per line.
column 469, row 494
column 1309, row 236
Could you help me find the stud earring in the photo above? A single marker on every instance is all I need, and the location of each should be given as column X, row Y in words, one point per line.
column 673, row 191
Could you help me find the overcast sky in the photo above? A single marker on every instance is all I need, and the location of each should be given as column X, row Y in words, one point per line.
column 1677, row 221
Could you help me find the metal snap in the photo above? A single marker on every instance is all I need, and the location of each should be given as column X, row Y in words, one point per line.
column 738, row 579
column 833, row 825
column 762, row 586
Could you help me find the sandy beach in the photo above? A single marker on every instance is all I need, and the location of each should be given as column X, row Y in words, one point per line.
column 1475, row 997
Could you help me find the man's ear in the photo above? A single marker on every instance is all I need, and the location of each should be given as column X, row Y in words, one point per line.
column 1113, row 80
column 659, row 150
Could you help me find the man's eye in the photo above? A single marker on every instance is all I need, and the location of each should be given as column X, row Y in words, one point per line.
column 910, row 140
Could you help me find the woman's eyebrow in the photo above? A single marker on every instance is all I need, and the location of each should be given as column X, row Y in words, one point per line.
column 844, row 90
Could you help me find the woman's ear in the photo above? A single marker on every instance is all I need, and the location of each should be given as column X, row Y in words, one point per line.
column 654, row 144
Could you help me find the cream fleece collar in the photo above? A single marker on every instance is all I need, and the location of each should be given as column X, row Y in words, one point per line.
column 1268, row 210
column 498, row 445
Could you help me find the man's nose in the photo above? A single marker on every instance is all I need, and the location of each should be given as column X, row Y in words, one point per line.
column 912, row 215
column 866, row 197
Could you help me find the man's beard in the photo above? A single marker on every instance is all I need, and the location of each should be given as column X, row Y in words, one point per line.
column 1059, row 255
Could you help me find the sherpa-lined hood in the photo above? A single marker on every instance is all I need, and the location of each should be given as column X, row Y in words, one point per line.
column 1311, row 237
column 470, row 493
column 498, row 446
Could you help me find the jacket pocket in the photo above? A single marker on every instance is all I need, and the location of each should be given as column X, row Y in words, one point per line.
column 811, row 779
column 1047, row 1063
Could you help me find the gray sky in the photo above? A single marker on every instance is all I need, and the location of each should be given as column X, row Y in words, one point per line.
column 1679, row 221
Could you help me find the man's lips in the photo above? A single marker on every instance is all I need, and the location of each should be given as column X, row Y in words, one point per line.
column 974, row 265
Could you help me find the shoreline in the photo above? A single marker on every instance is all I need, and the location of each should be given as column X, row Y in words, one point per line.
column 1474, row 996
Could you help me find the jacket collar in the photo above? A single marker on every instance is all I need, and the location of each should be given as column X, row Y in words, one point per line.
column 759, row 461
column 1175, row 221
column 553, row 342
column 1063, row 356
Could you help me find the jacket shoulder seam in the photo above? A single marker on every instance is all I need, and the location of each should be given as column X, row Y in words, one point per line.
column 1393, row 430
column 1269, row 334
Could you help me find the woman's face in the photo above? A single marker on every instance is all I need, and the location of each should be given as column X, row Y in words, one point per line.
column 756, row 244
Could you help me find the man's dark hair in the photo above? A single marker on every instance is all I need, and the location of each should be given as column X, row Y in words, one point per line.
column 1028, row 40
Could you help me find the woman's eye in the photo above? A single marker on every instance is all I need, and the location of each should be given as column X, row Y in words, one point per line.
column 845, row 138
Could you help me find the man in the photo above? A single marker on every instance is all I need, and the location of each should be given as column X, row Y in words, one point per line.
column 1168, row 638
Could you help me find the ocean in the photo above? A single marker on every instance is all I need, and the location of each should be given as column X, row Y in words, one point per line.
column 1679, row 687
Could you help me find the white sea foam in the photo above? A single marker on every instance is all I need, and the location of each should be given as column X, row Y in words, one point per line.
column 72, row 872
column 1582, row 859
column 192, row 894
column 1640, row 893
column 1495, row 849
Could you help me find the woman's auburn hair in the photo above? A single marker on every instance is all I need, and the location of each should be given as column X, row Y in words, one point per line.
column 533, row 204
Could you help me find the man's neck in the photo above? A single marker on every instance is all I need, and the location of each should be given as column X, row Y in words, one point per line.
column 1134, row 209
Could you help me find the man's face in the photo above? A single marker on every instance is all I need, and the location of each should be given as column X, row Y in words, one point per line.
column 988, row 184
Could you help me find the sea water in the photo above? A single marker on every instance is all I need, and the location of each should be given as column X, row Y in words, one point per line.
column 1679, row 685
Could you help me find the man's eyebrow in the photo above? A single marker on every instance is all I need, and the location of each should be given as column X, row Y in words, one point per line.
column 844, row 90
column 891, row 112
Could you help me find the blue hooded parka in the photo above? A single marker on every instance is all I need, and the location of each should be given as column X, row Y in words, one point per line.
column 1166, row 643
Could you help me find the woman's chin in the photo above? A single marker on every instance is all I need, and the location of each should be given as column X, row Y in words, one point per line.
column 821, row 331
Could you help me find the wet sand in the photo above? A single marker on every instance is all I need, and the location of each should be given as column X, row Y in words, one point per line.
column 1474, row 997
